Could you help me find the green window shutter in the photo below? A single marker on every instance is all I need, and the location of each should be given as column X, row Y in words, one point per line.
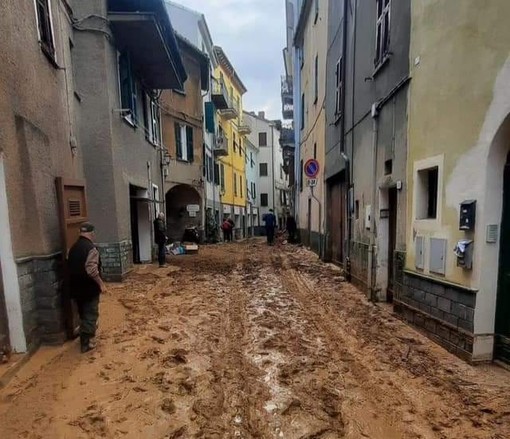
column 209, row 117
column 189, row 143
column 178, row 141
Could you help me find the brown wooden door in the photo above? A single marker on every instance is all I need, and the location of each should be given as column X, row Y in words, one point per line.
column 72, row 203
column 4, row 326
column 336, row 220
column 392, row 243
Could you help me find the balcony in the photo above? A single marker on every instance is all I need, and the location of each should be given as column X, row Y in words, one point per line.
column 230, row 112
column 146, row 33
column 287, row 98
column 244, row 128
column 219, row 95
column 287, row 138
column 221, row 145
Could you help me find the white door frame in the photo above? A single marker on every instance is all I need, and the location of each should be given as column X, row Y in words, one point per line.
column 10, row 272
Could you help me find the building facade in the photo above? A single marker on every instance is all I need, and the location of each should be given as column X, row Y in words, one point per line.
column 459, row 131
column 228, row 90
column 124, row 55
column 193, row 26
column 253, row 222
column 38, row 145
column 272, row 180
column 310, row 40
column 183, row 137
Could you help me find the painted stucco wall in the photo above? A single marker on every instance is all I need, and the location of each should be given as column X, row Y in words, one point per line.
column 459, row 103
column 314, row 44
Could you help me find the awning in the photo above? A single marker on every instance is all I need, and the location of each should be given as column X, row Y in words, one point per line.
column 140, row 34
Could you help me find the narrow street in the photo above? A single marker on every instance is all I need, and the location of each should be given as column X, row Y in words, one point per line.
column 250, row 342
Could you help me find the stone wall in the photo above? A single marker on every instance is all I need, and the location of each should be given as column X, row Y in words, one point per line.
column 116, row 259
column 445, row 312
column 40, row 281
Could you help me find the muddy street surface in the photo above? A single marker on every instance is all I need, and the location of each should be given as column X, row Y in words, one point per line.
column 243, row 341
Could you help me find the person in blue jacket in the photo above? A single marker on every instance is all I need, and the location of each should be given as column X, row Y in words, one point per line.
column 270, row 221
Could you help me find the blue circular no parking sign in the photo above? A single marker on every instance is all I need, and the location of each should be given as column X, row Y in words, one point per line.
column 311, row 168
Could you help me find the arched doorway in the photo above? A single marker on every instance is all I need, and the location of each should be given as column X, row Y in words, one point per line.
column 181, row 210
column 502, row 327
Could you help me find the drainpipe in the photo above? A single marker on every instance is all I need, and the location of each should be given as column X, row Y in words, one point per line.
column 372, row 262
column 321, row 246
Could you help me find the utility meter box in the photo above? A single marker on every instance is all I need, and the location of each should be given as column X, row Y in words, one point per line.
column 464, row 252
column 467, row 215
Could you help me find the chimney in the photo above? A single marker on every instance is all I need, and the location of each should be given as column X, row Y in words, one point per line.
column 262, row 114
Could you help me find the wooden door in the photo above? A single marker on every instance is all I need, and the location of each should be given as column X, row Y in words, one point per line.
column 502, row 341
column 72, row 203
column 392, row 242
column 336, row 220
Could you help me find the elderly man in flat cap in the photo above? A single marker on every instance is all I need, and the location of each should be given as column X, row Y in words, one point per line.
column 86, row 284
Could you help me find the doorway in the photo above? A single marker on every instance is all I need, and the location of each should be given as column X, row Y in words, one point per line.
column 141, row 224
column 392, row 241
column 502, row 330
column 336, row 220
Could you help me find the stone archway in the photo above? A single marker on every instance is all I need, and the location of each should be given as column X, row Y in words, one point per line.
column 178, row 216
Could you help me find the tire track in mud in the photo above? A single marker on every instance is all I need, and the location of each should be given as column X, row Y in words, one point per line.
column 422, row 398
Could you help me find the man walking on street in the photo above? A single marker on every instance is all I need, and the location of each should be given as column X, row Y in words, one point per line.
column 160, row 238
column 270, row 221
column 86, row 284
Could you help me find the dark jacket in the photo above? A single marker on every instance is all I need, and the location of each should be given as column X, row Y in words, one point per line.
column 82, row 285
column 270, row 220
column 159, row 231
column 291, row 224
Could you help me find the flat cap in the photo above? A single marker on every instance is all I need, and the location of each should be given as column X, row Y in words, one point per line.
column 87, row 228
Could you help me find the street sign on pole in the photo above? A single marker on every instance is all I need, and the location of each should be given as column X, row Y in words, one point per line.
column 311, row 168
column 312, row 182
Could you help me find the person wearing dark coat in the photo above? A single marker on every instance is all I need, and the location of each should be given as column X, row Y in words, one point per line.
column 160, row 238
column 291, row 228
column 85, row 284
column 270, row 222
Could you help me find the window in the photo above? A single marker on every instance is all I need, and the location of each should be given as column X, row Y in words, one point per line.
column 152, row 120
column 303, row 111
column 315, row 151
column 253, row 191
column 388, row 167
column 427, row 193
column 281, row 172
column 216, row 174
column 184, row 142
column 235, row 184
column 262, row 139
column 241, row 185
column 316, row 17
column 128, row 94
column 301, row 165
column 356, row 210
column 45, row 27
column 252, row 162
column 234, row 141
column 316, row 83
column 240, row 147
column 383, row 31
column 222, row 177
column 263, row 169
column 210, row 169
column 339, row 79
column 264, row 202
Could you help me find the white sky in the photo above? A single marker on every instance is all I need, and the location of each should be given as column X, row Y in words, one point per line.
column 252, row 33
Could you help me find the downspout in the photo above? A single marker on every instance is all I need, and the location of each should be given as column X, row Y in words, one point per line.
column 372, row 263
column 345, row 156
column 321, row 244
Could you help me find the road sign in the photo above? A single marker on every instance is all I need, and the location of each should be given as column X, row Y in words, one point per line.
column 311, row 168
column 312, row 182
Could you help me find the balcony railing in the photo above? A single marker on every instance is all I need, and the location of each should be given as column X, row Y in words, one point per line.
column 219, row 95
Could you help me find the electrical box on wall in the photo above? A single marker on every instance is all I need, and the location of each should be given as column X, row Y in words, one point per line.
column 467, row 215
column 464, row 252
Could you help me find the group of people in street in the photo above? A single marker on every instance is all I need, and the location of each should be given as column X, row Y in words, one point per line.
column 84, row 268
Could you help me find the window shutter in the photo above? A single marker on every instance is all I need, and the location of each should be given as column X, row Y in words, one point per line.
column 189, row 143
column 178, row 141
column 209, row 117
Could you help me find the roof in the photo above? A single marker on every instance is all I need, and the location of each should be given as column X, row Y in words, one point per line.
column 229, row 69
column 202, row 58
column 303, row 17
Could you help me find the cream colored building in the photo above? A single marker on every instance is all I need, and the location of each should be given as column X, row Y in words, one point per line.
column 311, row 42
column 459, row 145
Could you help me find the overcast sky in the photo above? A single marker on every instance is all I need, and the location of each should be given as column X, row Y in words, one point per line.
column 252, row 33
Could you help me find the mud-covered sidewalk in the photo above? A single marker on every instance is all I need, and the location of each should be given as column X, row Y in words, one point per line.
column 242, row 341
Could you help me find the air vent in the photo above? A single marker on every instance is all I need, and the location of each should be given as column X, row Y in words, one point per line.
column 74, row 208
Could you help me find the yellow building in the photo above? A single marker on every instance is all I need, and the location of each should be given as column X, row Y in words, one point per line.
column 228, row 91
